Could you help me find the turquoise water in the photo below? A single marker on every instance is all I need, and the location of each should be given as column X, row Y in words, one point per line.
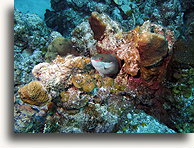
column 33, row 6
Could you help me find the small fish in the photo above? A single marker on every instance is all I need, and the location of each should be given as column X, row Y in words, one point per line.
column 106, row 64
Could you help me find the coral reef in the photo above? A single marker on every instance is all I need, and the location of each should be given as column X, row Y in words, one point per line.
column 62, row 73
column 74, row 84
column 102, row 24
column 34, row 93
column 181, row 85
column 23, row 117
column 83, row 40
column 183, row 51
column 180, row 74
column 28, row 119
column 137, row 122
column 97, row 25
column 152, row 90
column 59, row 46
column 83, row 81
column 65, row 22
column 89, row 88
column 57, row 75
column 128, row 13
column 140, row 49
column 72, row 99
column 30, row 32
column 152, row 44
column 30, row 40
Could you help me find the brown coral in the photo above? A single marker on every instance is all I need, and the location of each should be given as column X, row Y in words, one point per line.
column 97, row 25
column 152, row 48
column 34, row 94
column 108, row 82
column 59, row 46
column 84, row 81
column 102, row 25
column 87, row 82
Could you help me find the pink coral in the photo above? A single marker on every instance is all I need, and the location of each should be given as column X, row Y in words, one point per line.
column 121, row 45
column 141, row 49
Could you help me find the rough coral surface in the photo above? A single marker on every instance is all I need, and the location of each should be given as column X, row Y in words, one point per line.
column 59, row 46
column 30, row 40
column 83, row 101
column 74, row 84
column 140, row 48
column 34, row 93
column 98, row 26
column 153, row 90
column 56, row 76
column 152, row 48
column 83, row 40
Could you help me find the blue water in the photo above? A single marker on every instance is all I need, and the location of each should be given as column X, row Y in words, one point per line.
column 33, row 6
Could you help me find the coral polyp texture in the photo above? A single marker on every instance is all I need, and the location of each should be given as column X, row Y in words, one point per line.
column 59, row 46
column 113, row 72
column 34, row 93
column 140, row 49
column 56, row 76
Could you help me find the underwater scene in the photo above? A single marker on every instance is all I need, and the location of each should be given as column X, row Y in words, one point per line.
column 103, row 66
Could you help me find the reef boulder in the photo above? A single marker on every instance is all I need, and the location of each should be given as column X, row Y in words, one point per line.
column 59, row 46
